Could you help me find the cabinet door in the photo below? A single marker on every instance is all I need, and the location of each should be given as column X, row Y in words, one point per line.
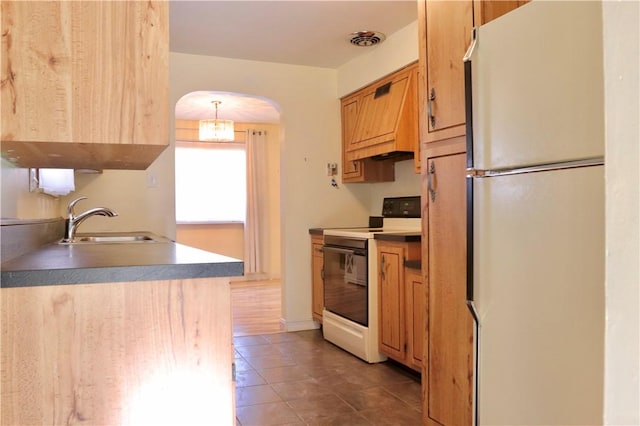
column 366, row 170
column 379, row 117
column 317, row 295
column 488, row 10
column 444, row 35
column 416, row 321
column 448, row 387
column 350, row 169
column 448, row 33
column 85, row 84
column 391, row 303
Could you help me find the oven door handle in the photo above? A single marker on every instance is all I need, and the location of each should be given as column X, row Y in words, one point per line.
column 356, row 252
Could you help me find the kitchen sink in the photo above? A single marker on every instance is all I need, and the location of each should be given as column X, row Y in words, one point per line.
column 112, row 238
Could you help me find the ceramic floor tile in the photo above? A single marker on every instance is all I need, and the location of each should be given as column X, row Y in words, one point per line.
column 264, row 362
column 300, row 347
column 316, row 372
column 283, row 337
column 343, row 382
column 249, row 378
column 284, row 374
column 252, row 395
column 319, row 384
column 410, row 392
column 311, row 335
column 301, row 389
column 395, row 417
column 258, row 350
column 372, row 398
column 315, row 408
column 242, row 364
column 351, row 419
column 275, row 413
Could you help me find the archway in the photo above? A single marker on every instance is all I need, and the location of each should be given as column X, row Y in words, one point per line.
column 220, row 185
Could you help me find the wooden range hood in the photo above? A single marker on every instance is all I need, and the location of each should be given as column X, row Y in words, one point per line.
column 387, row 119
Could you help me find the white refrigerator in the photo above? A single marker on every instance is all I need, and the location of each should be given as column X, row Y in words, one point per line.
column 535, row 189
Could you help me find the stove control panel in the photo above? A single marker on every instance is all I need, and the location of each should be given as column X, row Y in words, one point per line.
column 408, row 207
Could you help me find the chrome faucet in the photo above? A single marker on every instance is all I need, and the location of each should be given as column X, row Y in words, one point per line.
column 73, row 221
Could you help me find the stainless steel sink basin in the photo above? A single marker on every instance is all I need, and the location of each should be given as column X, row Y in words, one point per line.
column 116, row 238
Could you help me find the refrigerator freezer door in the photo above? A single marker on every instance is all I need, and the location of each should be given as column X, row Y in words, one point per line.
column 539, row 274
column 537, row 86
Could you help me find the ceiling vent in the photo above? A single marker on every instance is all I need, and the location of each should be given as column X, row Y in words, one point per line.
column 366, row 38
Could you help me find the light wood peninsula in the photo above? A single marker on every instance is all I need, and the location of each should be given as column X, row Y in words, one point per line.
column 153, row 346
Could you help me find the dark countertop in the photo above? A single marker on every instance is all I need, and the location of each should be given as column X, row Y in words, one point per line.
column 403, row 237
column 55, row 264
column 316, row 231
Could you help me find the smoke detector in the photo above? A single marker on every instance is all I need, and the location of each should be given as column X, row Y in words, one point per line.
column 366, row 38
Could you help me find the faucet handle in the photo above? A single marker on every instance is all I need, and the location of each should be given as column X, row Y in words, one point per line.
column 71, row 206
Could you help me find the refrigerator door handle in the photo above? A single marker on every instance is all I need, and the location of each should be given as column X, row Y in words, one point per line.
column 469, row 142
column 547, row 167
column 472, row 46
column 474, row 312
column 468, row 99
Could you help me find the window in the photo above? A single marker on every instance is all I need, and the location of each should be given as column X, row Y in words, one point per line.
column 210, row 182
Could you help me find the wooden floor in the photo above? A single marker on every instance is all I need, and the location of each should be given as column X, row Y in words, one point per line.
column 256, row 307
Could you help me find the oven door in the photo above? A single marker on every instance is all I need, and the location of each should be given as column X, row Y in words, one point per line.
column 345, row 282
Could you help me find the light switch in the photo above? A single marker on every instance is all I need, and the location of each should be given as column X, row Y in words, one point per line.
column 152, row 181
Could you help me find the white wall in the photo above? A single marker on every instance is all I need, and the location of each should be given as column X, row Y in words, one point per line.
column 398, row 50
column 621, row 36
column 18, row 202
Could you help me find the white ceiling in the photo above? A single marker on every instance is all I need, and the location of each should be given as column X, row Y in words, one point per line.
column 302, row 32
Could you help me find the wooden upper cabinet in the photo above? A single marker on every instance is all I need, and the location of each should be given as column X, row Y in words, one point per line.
column 444, row 36
column 85, row 84
column 485, row 11
column 448, row 32
column 364, row 170
column 387, row 117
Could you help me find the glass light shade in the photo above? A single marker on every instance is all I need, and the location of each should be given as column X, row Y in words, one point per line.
column 216, row 130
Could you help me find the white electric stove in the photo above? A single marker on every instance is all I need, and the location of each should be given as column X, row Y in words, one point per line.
column 350, row 316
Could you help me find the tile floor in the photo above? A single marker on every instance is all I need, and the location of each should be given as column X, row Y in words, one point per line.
column 301, row 379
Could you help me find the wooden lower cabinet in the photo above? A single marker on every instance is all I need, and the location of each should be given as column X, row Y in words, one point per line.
column 396, row 329
column 317, row 281
column 448, row 375
column 148, row 352
column 416, row 312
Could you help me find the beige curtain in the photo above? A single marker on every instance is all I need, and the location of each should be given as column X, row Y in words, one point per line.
column 256, row 191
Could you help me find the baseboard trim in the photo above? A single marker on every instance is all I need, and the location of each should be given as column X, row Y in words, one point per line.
column 298, row 325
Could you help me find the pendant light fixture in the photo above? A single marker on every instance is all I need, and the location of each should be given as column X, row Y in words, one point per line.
column 216, row 130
